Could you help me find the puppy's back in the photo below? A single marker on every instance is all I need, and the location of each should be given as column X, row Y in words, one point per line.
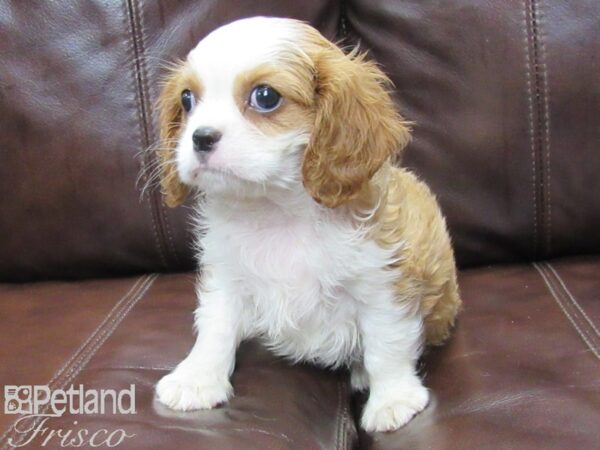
column 427, row 269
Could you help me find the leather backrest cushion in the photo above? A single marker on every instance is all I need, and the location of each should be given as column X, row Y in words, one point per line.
column 505, row 96
column 78, row 81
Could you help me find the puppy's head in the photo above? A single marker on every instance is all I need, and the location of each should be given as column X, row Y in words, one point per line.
column 268, row 103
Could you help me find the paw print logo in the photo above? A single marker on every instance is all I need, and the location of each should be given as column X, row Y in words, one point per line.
column 12, row 406
column 17, row 399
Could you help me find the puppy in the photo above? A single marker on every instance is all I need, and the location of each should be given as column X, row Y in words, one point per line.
column 309, row 239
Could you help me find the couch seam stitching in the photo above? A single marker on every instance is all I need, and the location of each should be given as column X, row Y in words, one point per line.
column 546, row 131
column 338, row 416
column 574, row 314
column 346, row 417
column 100, row 340
column 342, row 30
column 81, row 352
column 114, row 322
column 142, row 128
column 576, row 319
column 74, row 356
column 161, row 213
column 572, row 298
column 142, row 89
column 539, row 123
column 157, row 368
column 537, row 127
column 80, row 348
column 343, row 427
column 530, row 127
column 582, row 334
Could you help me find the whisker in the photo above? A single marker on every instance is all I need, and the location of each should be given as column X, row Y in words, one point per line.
column 151, row 170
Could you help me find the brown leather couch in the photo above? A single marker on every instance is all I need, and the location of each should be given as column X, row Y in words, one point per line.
column 97, row 280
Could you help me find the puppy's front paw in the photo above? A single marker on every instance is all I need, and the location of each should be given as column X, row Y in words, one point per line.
column 185, row 391
column 393, row 408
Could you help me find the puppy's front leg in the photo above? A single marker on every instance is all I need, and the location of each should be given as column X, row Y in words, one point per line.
column 392, row 339
column 201, row 380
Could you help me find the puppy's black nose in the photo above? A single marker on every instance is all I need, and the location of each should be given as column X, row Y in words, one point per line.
column 204, row 139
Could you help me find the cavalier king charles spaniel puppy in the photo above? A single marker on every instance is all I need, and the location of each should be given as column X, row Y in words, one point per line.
column 309, row 238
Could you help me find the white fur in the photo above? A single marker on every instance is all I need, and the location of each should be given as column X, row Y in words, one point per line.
column 304, row 278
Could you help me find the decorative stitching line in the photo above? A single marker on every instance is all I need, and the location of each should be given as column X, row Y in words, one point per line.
column 89, row 338
column 574, row 313
column 158, row 368
column 169, row 234
column 97, row 342
column 81, row 359
column 343, row 22
column 148, row 128
column 117, row 305
column 541, row 122
column 143, row 137
column 338, row 416
column 545, row 106
column 573, row 300
column 576, row 317
column 114, row 322
column 345, row 417
column 581, row 333
column 526, row 15
column 591, row 339
column 537, row 123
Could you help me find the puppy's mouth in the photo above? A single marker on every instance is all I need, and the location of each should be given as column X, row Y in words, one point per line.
column 204, row 165
column 218, row 171
column 203, row 169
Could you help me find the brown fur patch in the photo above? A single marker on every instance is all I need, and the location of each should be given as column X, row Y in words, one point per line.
column 356, row 134
column 409, row 213
column 171, row 120
column 293, row 82
column 357, row 128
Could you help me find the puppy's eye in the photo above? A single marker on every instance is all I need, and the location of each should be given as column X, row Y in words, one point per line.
column 187, row 100
column 264, row 98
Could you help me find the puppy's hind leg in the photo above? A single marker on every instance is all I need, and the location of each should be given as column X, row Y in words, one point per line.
column 392, row 340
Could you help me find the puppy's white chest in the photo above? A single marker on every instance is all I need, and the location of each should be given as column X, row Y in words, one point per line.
column 279, row 253
column 301, row 281
column 293, row 278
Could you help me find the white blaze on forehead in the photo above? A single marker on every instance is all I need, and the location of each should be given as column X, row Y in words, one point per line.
column 241, row 46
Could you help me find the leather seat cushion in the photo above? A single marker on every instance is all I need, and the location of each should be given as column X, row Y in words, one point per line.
column 521, row 369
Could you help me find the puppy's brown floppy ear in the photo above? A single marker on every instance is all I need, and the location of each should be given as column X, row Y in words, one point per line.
column 357, row 127
column 170, row 121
